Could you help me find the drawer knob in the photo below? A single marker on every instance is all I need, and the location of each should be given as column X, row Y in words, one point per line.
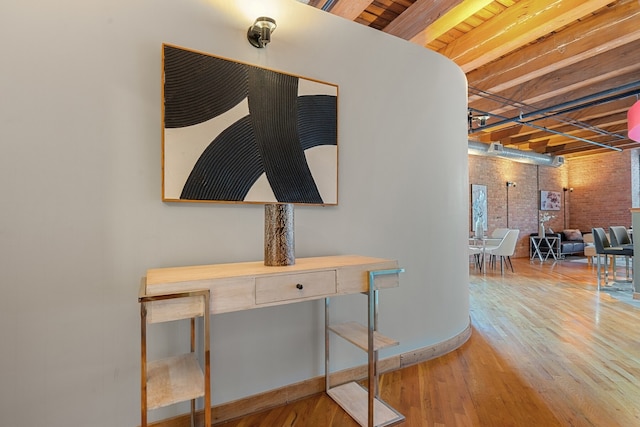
column 299, row 286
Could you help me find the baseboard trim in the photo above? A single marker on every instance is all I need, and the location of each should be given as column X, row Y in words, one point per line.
column 283, row 395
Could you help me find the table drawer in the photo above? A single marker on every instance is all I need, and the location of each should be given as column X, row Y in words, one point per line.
column 286, row 287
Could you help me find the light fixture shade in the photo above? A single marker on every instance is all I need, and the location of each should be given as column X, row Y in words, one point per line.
column 259, row 34
column 633, row 121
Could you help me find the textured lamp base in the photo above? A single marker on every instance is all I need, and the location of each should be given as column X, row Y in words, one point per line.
column 279, row 244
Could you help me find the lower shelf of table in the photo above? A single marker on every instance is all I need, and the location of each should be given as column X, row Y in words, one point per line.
column 174, row 379
column 354, row 399
column 358, row 335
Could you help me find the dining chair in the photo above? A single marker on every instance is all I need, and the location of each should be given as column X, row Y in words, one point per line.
column 619, row 235
column 505, row 249
column 620, row 238
column 494, row 240
column 496, row 236
column 603, row 247
column 476, row 253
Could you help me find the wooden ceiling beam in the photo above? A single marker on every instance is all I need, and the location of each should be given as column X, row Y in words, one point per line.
column 586, row 133
column 317, row 3
column 529, row 134
column 609, row 29
column 482, row 138
column 503, row 134
column 532, row 53
column 527, row 138
column 450, row 20
column 539, row 146
column 349, row 9
column 558, row 140
column 426, row 20
column 580, row 148
column 600, row 116
column 568, row 128
column 555, row 121
column 612, row 64
column 523, row 23
column 600, row 110
column 596, row 116
column 607, row 71
column 612, row 119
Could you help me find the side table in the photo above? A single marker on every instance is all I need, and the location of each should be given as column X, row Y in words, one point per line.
column 551, row 247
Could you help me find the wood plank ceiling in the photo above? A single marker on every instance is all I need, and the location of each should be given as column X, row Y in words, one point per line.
column 554, row 76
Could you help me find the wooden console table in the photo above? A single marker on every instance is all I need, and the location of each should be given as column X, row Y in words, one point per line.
column 248, row 285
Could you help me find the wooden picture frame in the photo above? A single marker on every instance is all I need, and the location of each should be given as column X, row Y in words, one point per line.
column 238, row 133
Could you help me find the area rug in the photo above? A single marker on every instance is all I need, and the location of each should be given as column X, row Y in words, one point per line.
column 621, row 286
column 622, row 291
column 620, row 262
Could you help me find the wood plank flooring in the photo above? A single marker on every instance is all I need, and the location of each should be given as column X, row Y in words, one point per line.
column 546, row 350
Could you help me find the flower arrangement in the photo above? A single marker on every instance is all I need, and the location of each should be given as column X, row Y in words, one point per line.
column 544, row 217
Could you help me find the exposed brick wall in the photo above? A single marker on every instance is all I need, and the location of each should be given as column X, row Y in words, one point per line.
column 602, row 192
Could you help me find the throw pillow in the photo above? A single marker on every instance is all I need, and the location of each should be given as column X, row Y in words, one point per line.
column 572, row 234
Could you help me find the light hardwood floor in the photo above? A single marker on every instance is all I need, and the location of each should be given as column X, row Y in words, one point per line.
column 546, row 350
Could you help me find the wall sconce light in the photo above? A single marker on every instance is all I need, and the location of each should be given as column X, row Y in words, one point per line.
column 479, row 120
column 259, row 33
column 511, row 184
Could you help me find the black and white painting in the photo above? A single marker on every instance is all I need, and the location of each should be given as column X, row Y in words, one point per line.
column 234, row 132
column 478, row 207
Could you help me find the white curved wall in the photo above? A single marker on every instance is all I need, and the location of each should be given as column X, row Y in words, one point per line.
column 82, row 217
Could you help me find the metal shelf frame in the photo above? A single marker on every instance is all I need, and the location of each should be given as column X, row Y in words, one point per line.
column 375, row 413
column 178, row 372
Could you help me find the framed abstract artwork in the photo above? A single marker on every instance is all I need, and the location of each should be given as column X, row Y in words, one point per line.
column 478, row 207
column 550, row 201
column 239, row 133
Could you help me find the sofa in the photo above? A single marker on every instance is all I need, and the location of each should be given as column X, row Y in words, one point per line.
column 571, row 241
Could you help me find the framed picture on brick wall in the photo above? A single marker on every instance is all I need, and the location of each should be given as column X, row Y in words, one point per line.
column 550, row 201
column 478, row 207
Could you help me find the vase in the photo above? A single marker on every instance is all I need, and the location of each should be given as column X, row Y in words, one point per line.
column 479, row 231
column 279, row 244
column 541, row 230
